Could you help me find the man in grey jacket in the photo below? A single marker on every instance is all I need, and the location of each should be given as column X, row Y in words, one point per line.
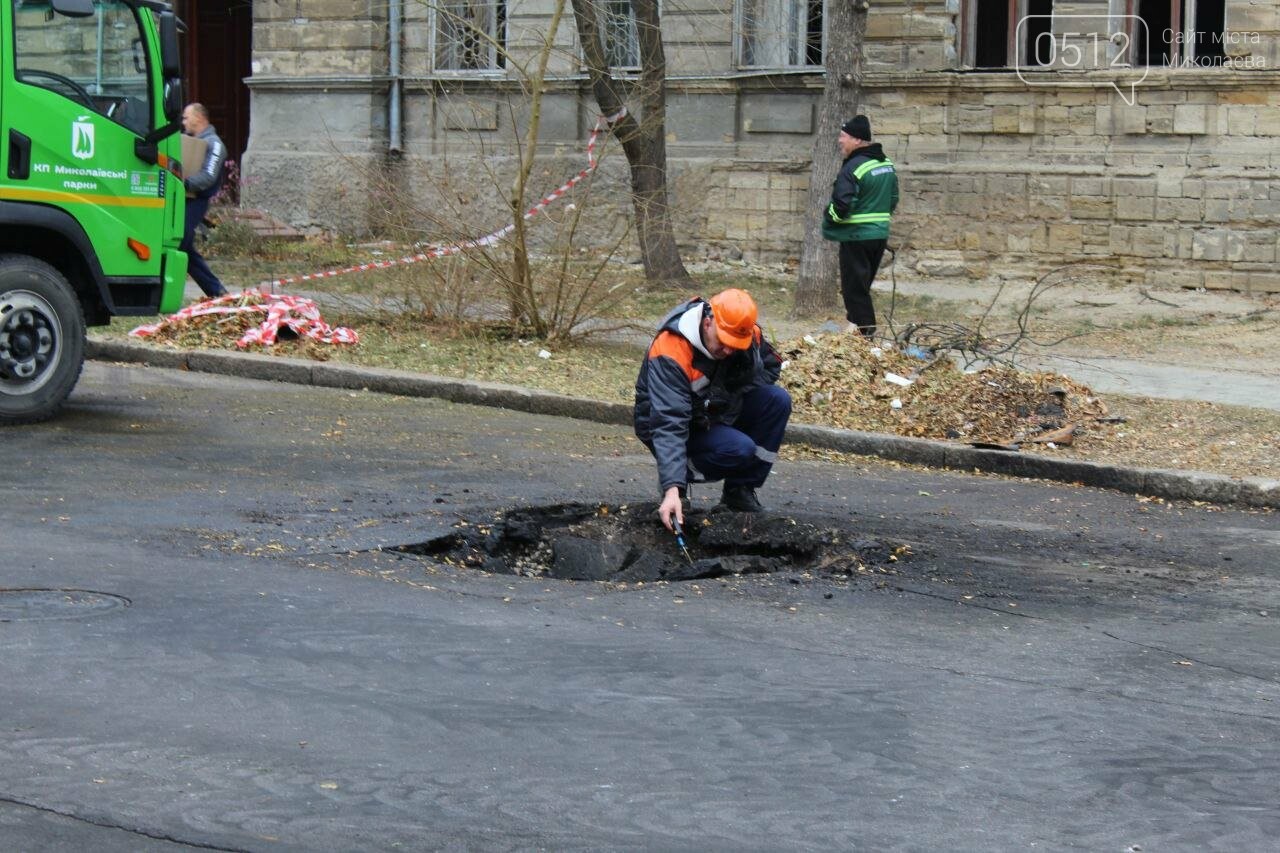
column 203, row 184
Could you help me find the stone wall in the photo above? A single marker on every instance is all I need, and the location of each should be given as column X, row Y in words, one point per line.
column 1000, row 175
column 1182, row 187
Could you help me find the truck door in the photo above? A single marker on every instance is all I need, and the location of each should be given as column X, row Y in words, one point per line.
column 77, row 95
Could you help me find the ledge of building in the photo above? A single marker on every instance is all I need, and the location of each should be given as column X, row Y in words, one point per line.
column 783, row 80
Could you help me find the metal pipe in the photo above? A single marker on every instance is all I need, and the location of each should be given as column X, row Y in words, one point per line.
column 97, row 77
column 395, row 132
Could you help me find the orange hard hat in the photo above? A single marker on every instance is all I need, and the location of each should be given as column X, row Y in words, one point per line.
column 735, row 315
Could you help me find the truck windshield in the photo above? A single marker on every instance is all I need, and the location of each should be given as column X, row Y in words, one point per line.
column 99, row 61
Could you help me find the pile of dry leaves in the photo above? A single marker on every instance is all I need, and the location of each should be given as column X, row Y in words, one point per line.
column 844, row 381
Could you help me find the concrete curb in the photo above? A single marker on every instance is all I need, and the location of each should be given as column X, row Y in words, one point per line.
column 1174, row 485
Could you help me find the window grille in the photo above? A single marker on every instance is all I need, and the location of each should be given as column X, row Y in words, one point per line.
column 470, row 35
column 779, row 33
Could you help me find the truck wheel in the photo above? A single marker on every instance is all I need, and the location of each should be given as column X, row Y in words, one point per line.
column 41, row 339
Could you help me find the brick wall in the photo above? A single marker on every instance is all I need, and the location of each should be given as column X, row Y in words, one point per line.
column 1181, row 187
column 1166, row 191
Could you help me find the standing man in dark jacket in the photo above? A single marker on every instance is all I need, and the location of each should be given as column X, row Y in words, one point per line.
column 202, row 185
column 706, row 403
column 863, row 199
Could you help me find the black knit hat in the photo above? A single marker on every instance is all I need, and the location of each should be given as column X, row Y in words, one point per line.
column 859, row 127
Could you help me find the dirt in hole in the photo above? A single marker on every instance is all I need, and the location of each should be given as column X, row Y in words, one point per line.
column 627, row 543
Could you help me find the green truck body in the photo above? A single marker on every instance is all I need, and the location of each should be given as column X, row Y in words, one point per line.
column 91, row 193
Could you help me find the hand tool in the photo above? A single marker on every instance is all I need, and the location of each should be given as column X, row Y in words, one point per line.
column 675, row 528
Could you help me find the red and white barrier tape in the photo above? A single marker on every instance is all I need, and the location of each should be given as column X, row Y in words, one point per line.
column 296, row 313
column 602, row 123
column 301, row 315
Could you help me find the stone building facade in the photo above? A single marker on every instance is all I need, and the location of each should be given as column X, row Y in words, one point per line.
column 1142, row 135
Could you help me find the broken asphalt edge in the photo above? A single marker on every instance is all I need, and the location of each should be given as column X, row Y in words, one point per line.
column 1173, row 485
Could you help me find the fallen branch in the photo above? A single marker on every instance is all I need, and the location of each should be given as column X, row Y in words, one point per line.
column 1146, row 294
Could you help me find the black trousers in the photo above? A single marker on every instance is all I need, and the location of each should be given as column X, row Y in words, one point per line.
column 197, row 266
column 859, row 261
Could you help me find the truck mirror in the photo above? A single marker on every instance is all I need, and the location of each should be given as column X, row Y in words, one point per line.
column 172, row 98
column 73, row 8
column 170, row 56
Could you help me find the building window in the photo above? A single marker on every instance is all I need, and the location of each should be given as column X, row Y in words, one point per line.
column 619, row 33
column 779, row 33
column 1179, row 32
column 992, row 38
column 470, row 35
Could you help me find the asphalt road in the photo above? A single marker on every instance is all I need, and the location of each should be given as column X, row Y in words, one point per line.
column 1047, row 667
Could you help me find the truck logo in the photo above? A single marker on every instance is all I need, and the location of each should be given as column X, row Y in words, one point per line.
column 82, row 139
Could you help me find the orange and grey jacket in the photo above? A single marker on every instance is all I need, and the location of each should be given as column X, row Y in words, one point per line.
column 682, row 388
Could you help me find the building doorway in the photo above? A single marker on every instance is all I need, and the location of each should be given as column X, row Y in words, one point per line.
column 216, row 56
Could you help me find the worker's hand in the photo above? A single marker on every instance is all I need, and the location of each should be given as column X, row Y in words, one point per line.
column 671, row 507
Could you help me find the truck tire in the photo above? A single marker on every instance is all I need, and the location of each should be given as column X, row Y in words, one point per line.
column 41, row 339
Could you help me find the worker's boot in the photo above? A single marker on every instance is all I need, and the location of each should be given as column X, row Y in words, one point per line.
column 740, row 499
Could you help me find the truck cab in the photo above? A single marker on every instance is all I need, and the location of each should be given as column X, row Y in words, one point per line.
column 91, row 195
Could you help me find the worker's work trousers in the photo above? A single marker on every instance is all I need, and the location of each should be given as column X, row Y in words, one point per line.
column 744, row 453
column 197, row 268
column 859, row 261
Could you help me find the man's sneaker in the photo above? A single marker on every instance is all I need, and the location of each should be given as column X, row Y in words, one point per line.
column 741, row 499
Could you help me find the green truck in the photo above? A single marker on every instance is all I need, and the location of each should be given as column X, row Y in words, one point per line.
column 91, row 195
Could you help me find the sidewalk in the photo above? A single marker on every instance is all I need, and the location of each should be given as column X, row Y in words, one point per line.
column 1108, row 374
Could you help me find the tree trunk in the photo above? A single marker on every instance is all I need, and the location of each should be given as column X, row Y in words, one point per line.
column 818, row 285
column 658, row 246
column 643, row 140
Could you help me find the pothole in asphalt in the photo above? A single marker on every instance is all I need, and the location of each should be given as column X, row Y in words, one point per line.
column 626, row 543
column 33, row 605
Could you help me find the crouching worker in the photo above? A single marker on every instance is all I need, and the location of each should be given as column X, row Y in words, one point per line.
column 706, row 403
